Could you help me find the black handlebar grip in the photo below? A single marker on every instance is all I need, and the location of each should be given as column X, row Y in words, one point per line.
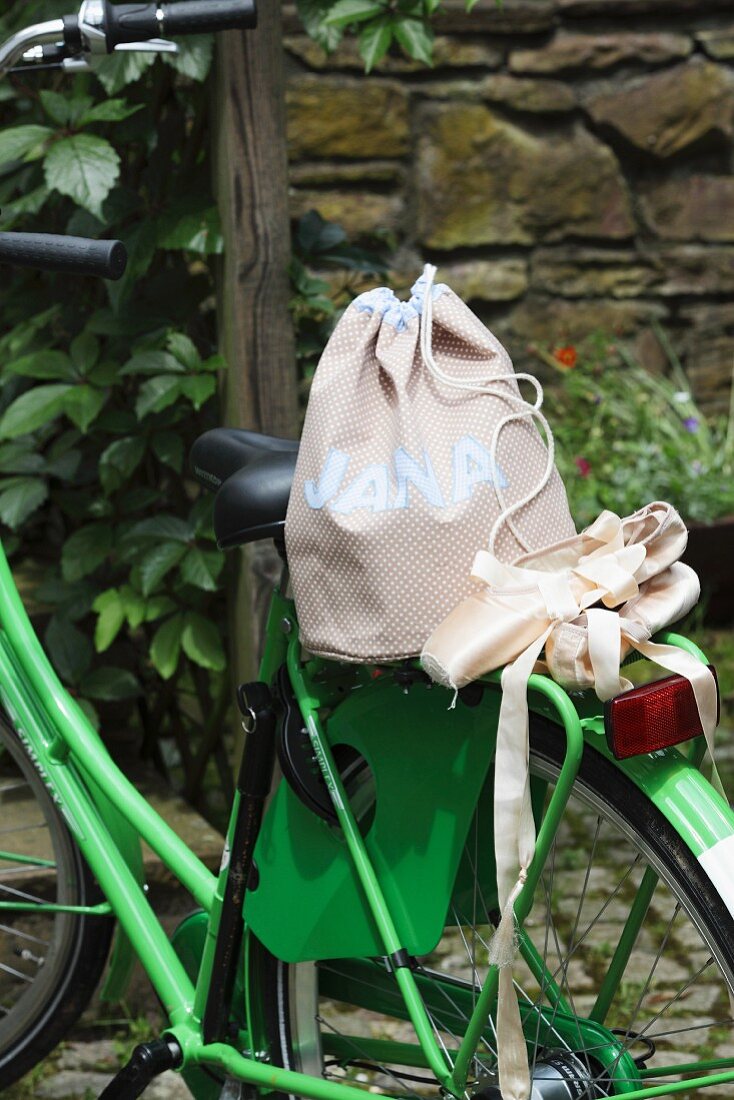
column 131, row 23
column 205, row 16
column 141, row 22
column 75, row 255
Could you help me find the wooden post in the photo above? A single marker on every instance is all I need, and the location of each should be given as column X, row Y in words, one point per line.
column 256, row 334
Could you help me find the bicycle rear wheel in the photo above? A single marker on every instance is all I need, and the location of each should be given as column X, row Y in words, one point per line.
column 50, row 962
column 603, row 1028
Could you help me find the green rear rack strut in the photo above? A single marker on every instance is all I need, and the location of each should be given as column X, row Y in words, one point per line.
column 366, row 872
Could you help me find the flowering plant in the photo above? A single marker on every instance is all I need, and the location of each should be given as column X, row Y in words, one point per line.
column 625, row 436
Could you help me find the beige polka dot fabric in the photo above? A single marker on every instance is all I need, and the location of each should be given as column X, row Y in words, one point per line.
column 395, row 489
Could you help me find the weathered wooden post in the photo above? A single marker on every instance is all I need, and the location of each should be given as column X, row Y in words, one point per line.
column 256, row 335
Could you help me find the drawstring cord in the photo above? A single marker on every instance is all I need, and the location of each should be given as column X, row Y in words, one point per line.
column 491, row 385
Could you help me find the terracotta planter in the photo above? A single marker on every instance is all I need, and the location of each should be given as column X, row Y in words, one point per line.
column 710, row 552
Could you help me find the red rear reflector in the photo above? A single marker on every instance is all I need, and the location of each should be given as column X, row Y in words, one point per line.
column 654, row 716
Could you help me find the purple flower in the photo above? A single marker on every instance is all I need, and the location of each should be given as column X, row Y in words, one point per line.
column 691, row 424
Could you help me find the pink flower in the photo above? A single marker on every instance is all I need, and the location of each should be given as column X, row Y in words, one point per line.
column 583, row 466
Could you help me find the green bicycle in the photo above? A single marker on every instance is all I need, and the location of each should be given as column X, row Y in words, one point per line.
column 343, row 947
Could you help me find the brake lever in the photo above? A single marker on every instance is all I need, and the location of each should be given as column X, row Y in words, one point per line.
column 43, row 58
column 153, row 45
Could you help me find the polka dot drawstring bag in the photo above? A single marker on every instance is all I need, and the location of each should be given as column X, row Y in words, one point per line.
column 418, row 448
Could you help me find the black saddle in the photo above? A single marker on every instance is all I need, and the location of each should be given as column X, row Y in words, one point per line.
column 252, row 476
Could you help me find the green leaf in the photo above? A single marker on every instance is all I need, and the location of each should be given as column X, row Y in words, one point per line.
column 202, row 642
column 120, row 460
column 194, row 57
column 168, row 447
column 184, row 350
column 112, row 110
column 82, row 405
column 158, row 606
column 84, row 352
column 22, row 142
column 45, row 364
column 199, row 388
column 346, row 12
column 85, row 168
column 157, row 563
column 33, row 409
column 21, row 499
column 59, row 108
column 120, row 69
column 311, row 13
column 153, row 362
column 110, row 684
column 375, row 40
column 71, row 600
column 214, row 363
column 166, row 646
column 163, row 527
column 20, row 457
column 69, row 649
column 29, row 203
column 416, row 38
column 86, row 549
column 111, row 615
column 104, row 374
column 156, row 394
column 134, row 604
column 316, row 234
column 195, row 232
column 65, row 466
column 201, row 568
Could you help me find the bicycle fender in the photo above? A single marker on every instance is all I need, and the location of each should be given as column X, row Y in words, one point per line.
column 698, row 813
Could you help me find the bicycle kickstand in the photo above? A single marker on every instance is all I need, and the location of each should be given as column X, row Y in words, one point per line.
column 147, row 1061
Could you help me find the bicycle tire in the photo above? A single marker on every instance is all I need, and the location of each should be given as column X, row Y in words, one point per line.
column 50, row 963
column 601, row 789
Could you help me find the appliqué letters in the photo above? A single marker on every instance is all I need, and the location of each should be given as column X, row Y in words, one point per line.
column 372, row 487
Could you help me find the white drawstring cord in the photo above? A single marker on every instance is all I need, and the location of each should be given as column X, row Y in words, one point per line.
column 490, row 385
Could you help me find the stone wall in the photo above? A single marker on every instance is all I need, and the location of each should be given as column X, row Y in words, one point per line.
column 568, row 164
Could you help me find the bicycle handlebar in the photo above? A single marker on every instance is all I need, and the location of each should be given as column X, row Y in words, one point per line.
column 136, row 22
column 75, row 255
column 101, row 27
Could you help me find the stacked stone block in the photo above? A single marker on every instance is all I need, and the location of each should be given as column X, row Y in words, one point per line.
column 568, row 164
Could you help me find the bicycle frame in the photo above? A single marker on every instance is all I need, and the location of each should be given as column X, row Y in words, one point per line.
column 106, row 815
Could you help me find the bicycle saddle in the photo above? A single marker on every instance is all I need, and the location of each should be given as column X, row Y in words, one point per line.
column 252, row 476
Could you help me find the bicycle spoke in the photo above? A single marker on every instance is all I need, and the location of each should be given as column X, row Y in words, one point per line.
column 383, row 1069
column 21, row 895
column 15, row 973
column 661, row 986
column 23, row 935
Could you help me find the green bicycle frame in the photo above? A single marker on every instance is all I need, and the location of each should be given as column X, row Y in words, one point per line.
column 107, row 816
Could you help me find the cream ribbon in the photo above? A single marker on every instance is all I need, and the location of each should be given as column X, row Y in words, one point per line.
column 607, row 575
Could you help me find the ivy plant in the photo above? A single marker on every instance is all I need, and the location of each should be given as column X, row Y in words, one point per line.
column 103, row 388
column 379, row 25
